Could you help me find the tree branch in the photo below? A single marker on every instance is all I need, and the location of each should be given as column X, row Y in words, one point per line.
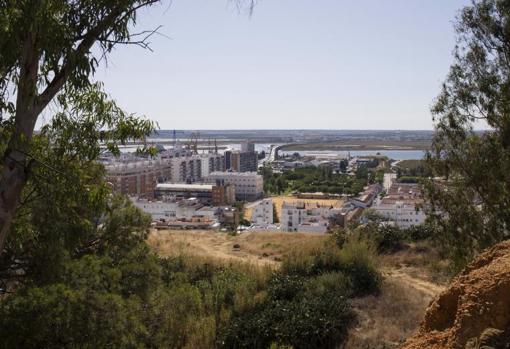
column 85, row 45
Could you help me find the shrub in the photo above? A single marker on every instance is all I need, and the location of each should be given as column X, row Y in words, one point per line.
column 329, row 283
column 408, row 179
column 312, row 260
column 357, row 260
column 339, row 236
column 420, row 232
column 189, row 301
column 298, row 262
column 385, row 238
column 173, row 314
column 285, row 286
column 313, row 322
column 389, row 239
column 316, row 317
column 51, row 316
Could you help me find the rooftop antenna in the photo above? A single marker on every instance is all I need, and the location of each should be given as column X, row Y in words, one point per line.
column 215, row 147
column 175, row 139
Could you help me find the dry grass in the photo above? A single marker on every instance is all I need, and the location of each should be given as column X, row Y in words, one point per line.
column 260, row 248
column 384, row 321
column 413, row 276
column 421, row 261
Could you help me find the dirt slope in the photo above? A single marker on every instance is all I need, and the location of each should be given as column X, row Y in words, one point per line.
column 474, row 312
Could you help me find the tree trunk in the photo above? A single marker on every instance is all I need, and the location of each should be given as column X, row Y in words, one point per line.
column 13, row 168
column 13, row 179
column 13, row 173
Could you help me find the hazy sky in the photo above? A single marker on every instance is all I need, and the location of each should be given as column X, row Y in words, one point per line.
column 323, row 64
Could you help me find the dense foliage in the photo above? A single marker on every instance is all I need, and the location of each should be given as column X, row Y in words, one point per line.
column 472, row 201
column 49, row 48
column 315, row 179
column 66, row 205
column 413, row 169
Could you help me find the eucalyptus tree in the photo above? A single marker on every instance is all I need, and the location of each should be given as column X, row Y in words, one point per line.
column 47, row 46
column 66, row 200
column 471, row 201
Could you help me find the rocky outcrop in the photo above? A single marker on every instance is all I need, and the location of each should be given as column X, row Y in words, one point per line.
column 474, row 312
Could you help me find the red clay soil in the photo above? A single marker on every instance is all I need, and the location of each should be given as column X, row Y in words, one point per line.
column 474, row 312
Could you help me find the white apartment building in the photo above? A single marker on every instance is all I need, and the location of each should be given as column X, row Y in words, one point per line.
column 405, row 213
column 186, row 169
column 212, row 163
column 249, row 186
column 261, row 212
column 403, row 205
column 133, row 175
column 306, row 218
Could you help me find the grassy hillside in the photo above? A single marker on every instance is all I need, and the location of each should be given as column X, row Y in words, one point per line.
column 410, row 278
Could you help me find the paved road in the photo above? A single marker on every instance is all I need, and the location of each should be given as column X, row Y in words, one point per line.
column 269, row 157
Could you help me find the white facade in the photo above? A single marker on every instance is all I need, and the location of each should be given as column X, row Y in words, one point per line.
column 186, row 169
column 211, row 163
column 248, row 185
column 174, row 210
column 307, row 218
column 389, row 178
column 405, row 214
column 157, row 209
column 262, row 212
